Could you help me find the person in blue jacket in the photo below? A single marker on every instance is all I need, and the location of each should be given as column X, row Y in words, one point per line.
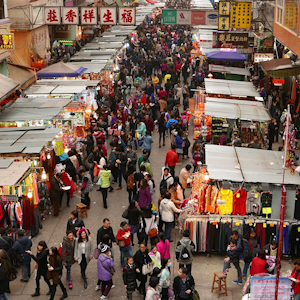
column 147, row 141
column 179, row 141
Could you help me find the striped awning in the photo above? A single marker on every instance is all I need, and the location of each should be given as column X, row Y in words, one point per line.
column 280, row 68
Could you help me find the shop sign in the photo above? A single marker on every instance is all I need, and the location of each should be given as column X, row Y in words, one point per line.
column 223, row 23
column 126, row 16
column 7, row 41
column 264, row 288
column 240, row 15
column 70, row 15
column 108, row 15
column 211, row 18
column 89, row 16
column 278, row 81
column 67, row 42
column 52, row 15
column 232, row 40
column 169, row 16
column 198, row 17
column 224, row 8
column 184, row 17
column 8, row 198
column 64, row 32
column 258, row 57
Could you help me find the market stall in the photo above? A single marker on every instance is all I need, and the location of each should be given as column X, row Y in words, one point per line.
column 241, row 188
column 230, row 73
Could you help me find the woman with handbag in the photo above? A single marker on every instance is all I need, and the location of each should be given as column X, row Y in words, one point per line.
column 67, row 253
column 83, row 252
column 149, row 221
column 105, row 270
column 123, row 240
column 144, row 265
column 41, row 260
column 164, row 281
column 133, row 214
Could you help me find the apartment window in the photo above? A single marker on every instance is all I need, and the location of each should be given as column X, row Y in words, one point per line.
column 279, row 11
column 2, row 16
column 287, row 13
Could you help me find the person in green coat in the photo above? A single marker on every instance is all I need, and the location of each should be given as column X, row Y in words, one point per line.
column 105, row 183
column 141, row 128
column 141, row 158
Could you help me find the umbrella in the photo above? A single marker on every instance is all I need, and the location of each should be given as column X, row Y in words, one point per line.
column 151, row 1
column 140, row 2
column 226, row 56
column 61, row 70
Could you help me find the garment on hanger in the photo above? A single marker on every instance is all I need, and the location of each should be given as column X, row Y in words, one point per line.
column 213, row 237
column 266, row 204
column 261, row 234
column 253, row 203
column 227, row 196
column 295, row 239
column 239, row 202
column 226, row 229
column 297, row 206
column 271, row 233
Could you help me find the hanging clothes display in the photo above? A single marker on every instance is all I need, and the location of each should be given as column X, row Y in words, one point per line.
column 226, row 198
column 266, row 204
column 253, row 202
column 239, row 202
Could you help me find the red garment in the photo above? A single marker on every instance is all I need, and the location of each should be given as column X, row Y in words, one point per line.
column 149, row 125
column 161, row 94
column 258, row 266
column 261, row 234
column 144, row 100
column 120, row 237
column 66, row 179
column 171, row 158
column 295, row 285
column 104, row 150
column 239, row 202
column 99, row 136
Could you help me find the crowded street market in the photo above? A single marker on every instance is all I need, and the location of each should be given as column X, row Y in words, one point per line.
column 149, row 150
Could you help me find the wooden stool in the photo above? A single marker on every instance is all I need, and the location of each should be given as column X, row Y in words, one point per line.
column 220, row 279
column 81, row 208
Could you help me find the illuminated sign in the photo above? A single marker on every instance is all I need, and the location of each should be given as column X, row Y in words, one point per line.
column 7, row 41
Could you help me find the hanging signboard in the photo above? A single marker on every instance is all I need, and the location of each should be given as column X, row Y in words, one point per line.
column 70, row 15
column 52, row 15
column 89, row 16
column 189, row 17
column 240, row 15
column 108, row 15
column 224, row 8
column 232, row 40
column 126, row 16
column 7, row 41
column 223, row 22
column 258, row 57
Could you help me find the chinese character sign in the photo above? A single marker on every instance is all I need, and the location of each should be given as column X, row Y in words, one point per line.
column 52, row 15
column 224, row 8
column 7, row 41
column 126, row 16
column 89, row 16
column 232, row 40
column 108, row 15
column 70, row 15
column 223, row 22
column 240, row 15
column 169, row 16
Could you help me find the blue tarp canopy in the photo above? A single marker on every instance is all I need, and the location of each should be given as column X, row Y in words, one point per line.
column 61, row 70
column 226, row 56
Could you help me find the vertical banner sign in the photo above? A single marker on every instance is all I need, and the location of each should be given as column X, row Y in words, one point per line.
column 89, row 16
column 169, row 16
column 126, row 16
column 240, row 15
column 184, row 17
column 52, row 15
column 224, row 8
column 108, row 15
column 290, row 15
column 223, row 23
column 198, row 17
column 70, row 15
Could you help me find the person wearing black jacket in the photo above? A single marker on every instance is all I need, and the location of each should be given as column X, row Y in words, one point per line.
column 41, row 261
column 6, row 242
column 272, row 127
column 183, row 284
column 121, row 160
column 142, row 258
column 129, row 277
column 106, row 230
column 74, row 223
column 4, row 283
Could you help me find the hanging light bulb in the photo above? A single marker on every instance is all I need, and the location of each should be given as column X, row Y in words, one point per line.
column 48, row 156
column 44, row 175
column 35, row 162
column 206, row 177
column 29, row 194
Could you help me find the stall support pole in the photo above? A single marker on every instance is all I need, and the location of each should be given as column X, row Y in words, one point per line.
column 282, row 206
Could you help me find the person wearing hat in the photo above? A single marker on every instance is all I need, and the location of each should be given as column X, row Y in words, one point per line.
column 83, row 251
column 105, row 270
column 184, row 250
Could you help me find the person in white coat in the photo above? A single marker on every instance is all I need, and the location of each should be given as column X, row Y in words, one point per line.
column 167, row 210
column 152, row 293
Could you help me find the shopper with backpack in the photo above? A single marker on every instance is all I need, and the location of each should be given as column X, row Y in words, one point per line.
column 166, row 180
column 184, row 250
column 130, row 177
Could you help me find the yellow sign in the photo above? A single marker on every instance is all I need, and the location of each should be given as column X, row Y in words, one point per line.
column 265, row 225
column 7, row 41
column 240, row 15
column 224, row 23
column 224, row 8
column 267, row 210
column 290, row 15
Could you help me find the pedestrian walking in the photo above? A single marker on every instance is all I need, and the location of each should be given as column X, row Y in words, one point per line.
column 164, row 281
column 74, row 223
column 124, row 240
column 183, row 285
column 171, row 160
column 163, row 246
column 86, row 188
column 104, row 177
column 56, row 192
column 129, row 277
column 4, row 283
column 106, row 230
column 152, row 293
column 184, row 175
column 144, row 194
column 67, row 253
column 130, row 177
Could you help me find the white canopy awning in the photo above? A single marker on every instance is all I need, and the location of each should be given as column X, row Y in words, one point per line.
column 11, row 175
column 236, row 109
column 92, row 67
column 232, row 88
column 256, row 165
column 229, row 70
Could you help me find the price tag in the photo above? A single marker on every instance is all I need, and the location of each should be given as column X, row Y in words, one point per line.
column 250, row 223
column 284, row 225
column 237, row 223
column 271, row 224
column 267, row 210
column 298, row 229
column 215, row 223
column 265, row 225
column 255, row 195
column 238, row 195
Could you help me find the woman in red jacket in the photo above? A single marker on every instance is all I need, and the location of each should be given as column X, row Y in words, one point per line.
column 295, row 277
column 259, row 264
column 124, row 241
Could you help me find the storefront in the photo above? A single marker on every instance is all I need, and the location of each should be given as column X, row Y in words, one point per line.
column 240, row 188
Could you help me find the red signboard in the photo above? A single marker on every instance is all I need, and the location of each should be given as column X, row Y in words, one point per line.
column 278, row 81
column 198, row 17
